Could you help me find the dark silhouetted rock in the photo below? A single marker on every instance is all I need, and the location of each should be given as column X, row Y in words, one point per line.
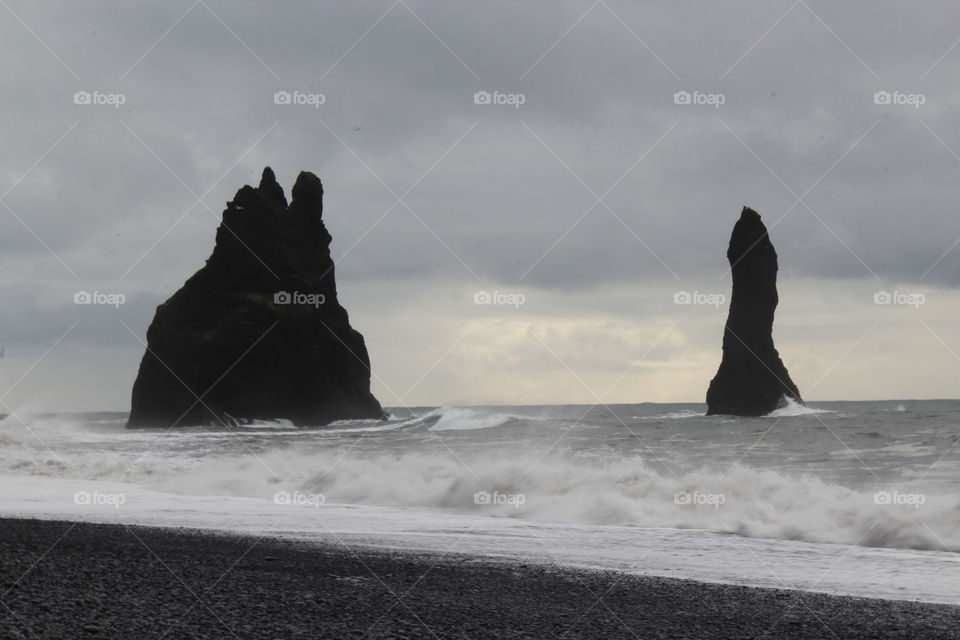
column 752, row 380
column 257, row 333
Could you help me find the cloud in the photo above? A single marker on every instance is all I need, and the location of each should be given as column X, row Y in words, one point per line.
column 598, row 181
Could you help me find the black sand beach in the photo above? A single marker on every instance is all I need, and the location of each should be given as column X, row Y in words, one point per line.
column 75, row 580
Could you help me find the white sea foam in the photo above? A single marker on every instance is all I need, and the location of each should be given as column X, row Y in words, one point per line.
column 675, row 415
column 463, row 419
column 267, row 424
column 10, row 433
column 353, row 423
column 794, row 408
column 752, row 503
column 759, row 503
column 837, row 569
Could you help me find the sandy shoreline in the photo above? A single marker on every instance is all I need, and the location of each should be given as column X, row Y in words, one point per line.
column 69, row 580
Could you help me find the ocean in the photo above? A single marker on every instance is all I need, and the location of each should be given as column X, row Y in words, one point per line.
column 852, row 498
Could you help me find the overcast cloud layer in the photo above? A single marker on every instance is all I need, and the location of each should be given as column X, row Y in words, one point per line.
column 597, row 199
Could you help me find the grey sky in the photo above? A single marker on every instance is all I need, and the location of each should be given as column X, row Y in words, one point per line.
column 502, row 198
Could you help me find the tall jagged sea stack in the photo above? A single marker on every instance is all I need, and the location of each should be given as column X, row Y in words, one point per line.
column 752, row 380
column 258, row 332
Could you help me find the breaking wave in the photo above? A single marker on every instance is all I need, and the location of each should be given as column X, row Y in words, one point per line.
column 744, row 501
column 793, row 409
column 457, row 419
column 559, row 488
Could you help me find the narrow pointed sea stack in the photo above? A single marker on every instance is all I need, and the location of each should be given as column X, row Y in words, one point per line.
column 752, row 380
column 257, row 333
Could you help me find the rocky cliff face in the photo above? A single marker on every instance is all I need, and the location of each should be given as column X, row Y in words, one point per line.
column 752, row 380
column 257, row 333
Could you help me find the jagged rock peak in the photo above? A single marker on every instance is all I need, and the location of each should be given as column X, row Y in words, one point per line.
column 307, row 192
column 258, row 332
column 270, row 190
column 749, row 235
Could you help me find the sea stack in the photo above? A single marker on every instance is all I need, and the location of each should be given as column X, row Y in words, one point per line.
column 257, row 333
column 752, row 380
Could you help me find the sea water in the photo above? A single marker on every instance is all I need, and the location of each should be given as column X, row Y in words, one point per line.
column 857, row 498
